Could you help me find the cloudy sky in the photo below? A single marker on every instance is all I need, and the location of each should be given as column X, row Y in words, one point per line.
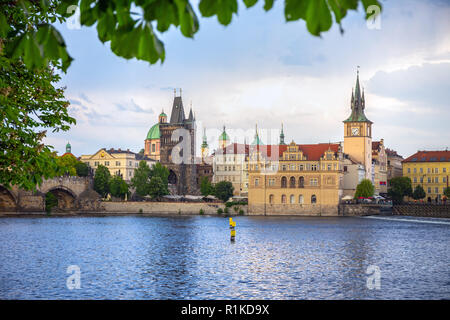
column 263, row 70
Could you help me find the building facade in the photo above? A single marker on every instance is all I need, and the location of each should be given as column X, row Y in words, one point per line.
column 430, row 169
column 379, row 160
column 394, row 164
column 295, row 179
column 119, row 162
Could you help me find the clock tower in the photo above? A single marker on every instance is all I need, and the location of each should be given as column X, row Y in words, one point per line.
column 358, row 131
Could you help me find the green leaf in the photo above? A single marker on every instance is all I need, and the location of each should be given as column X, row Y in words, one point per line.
column 250, row 3
column 295, row 9
column 4, row 26
column 188, row 19
column 268, row 4
column 318, row 17
column 106, row 26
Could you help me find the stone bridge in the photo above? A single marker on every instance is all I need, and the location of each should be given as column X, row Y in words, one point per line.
column 73, row 193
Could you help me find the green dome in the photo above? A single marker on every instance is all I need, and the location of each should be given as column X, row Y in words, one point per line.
column 153, row 133
column 163, row 114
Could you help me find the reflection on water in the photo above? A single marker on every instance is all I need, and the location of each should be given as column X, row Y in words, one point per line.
column 193, row 258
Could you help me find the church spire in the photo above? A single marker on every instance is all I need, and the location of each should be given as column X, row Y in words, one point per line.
column 357, row 104
column 257, row 141
column 282, row 136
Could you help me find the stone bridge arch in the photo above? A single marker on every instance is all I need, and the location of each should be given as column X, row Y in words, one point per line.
column 65, row 196
column 8, row 200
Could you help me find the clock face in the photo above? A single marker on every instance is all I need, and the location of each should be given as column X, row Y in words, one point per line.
column 355, row 131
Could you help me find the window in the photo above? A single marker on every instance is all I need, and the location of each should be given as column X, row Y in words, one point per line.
column 415, row 180
column 436, row 170
column 314, row 167
column 421, row 170
column 284, row 182
column 313, row 198
column 271, row 199
column 300, row 199
column 117, row 163
column 313, row 181
column 428, row 170
column 256, row 182
column 345, row 168
column 292, row 199
column 153, row 147
column 131, row 164
column 429, row 180
column 444, row 169
column 292, row 167
column 271, row 182
column 436, row 190
column 415, row 170
column 292, row 182
column 409, row 170
column 107, row 163
column 421, row 179
column 95, row 163
column 436, row 180
column 283, row 198
column 429, row 190
column 329, row 167
column 301, row 182
column 283, row 167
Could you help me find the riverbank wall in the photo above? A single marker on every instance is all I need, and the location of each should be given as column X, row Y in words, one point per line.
column 423, row 210
column 362, row 209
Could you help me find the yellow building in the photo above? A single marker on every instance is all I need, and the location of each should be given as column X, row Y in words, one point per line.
column 295, row 179
column 431, row 169
column 119, row 162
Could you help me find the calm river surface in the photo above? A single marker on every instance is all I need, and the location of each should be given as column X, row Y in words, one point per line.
column 193, row 258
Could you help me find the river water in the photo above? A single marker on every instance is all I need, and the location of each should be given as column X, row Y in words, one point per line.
column 137, row 257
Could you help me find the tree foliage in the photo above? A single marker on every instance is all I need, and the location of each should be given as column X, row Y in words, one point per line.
column 206, row 188
column 157, row 187
column 82, row 169
column 418, row 193
column 132, row 27
column 400, row 187
column 223, row 190
column 101, row 180
column 141, row 179
column 67, row 165
column 364, row 189
column 30, row 103
column 118, row 187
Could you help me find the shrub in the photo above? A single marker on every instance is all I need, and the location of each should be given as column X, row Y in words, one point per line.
column 225, row 210
column 228, row 204
column 51, row 201
column 219, row 211
column 223, row 190
column 241, row 212
column 364, row 189
column 141, row 211
column 201, row 212
column 236, row 209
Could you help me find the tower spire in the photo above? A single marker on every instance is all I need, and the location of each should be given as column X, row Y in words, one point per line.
column 282, row 135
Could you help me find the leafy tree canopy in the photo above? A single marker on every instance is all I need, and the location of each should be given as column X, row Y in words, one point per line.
column 364, row 189
column 157, row 187
column 223, row 190
column 101, row 180
column 132, row 26
column 141, row 179
column 67, row 165
column 118, row 187
column 82, row 169
column 418, row 193
column 400, row 187
column 206, row 188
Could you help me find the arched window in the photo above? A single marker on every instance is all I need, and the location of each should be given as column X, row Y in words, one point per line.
column 301, row 182
column 300, row 199
column 292, row 182
column 284, row 182
column 313, row 198
column 283, row 198
column 292, row 199
column 271, row 199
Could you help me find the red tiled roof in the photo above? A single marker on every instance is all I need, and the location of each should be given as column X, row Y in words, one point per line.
column 429, row 156
column 312, row 151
